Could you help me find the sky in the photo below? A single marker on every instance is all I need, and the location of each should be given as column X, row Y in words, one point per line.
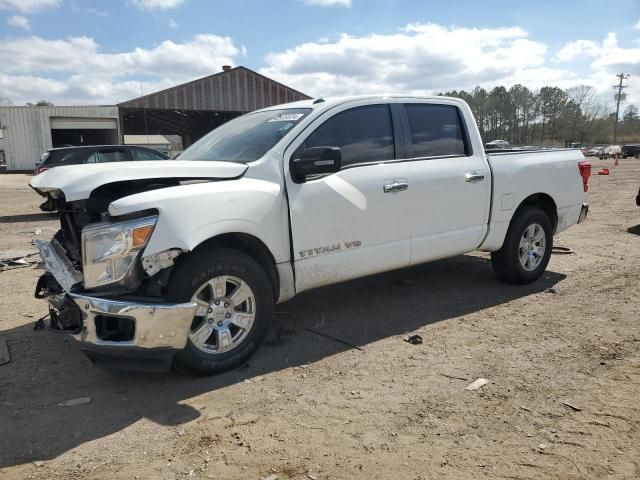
column 75, row 52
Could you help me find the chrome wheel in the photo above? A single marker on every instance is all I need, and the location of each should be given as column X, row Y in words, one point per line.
column 225, row 314
column 532, row 247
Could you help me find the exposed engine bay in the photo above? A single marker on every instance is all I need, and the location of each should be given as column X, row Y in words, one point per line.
column 76, row 215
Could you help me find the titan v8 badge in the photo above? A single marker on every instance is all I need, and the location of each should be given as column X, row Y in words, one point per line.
column 329, row 248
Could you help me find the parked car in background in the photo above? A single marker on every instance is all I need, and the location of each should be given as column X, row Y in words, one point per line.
column 631, row 150
column 595, row 152
column 496, row 145
column 57, row 157
column 611, row 151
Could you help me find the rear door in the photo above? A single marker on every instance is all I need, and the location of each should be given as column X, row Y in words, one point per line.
column 450, row 181
column 353, row 222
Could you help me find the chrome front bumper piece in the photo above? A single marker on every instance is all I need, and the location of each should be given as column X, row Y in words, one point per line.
column 155, row 325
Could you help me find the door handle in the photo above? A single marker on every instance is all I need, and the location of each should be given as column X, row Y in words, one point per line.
column 473, row 177
column 395, row 187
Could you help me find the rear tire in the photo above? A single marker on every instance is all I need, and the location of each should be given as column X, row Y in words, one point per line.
column 235, row 301
column 526, row 251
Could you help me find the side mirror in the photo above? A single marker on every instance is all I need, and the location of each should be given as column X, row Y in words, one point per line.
column 315, row 161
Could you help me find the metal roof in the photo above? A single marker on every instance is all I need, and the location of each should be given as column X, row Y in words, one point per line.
column 234, row 90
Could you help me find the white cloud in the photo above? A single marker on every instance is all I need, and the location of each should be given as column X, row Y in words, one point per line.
column 157, row 4
column 19, row 21
column 421, row 58
column 637, row 25
column 604, row 54
column 172, row 23
column 607, row 59
column 84, row 74
column 430, row 58
column 328, row 3
column 28, row 6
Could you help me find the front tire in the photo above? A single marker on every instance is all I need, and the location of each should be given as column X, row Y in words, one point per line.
column 235, row 304
column 526, row 251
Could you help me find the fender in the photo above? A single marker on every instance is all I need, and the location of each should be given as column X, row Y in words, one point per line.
column 192, row 214
column 516, row 177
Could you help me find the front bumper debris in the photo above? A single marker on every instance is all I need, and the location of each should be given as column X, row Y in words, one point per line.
column 116, row 332
column 58, row 264
column 583, row 212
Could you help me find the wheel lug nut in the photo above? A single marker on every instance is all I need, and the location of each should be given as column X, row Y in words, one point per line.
column 210, row 310
column 217, row 302
column 226, row 304
column 228, row 315
column 220, row 323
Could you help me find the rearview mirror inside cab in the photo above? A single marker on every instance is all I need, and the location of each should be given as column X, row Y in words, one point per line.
column 315, row 161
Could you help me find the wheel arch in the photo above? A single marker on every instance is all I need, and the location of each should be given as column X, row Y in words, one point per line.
column 542, row 201
column 252, row 246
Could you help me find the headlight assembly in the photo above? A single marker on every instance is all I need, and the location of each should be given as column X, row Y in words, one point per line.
column 109, row 250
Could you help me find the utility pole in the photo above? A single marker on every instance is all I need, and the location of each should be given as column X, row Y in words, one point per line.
column 618, row 98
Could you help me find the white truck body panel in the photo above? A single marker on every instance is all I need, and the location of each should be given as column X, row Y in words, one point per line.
column 450, row 214
column 342, row 225
column 192, row 214
column 78, row 181
column 517, row 176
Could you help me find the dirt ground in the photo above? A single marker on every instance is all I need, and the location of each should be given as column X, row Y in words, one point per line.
column 563, row 400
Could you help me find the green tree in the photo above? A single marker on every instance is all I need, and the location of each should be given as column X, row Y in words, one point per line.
column 40, row 103
column 631, row 114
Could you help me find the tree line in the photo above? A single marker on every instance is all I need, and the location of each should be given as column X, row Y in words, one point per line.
column 549, row 117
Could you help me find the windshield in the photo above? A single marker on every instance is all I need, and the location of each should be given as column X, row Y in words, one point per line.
column 245, row 138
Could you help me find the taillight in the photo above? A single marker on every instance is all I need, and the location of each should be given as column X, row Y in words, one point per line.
column 41, row 169
column 585, row 173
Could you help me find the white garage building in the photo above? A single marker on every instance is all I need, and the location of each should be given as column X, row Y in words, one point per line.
column 27, row 132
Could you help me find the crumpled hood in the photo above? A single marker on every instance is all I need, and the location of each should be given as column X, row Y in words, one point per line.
column 78, row 181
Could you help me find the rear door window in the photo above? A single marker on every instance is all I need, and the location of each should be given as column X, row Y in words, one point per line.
column 68, row 157
column 93, row 158
column 364, row 135
column 435, row 130
column 112, row 155
column 144, row 154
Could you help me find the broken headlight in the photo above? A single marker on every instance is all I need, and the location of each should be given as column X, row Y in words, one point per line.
column 109, row 250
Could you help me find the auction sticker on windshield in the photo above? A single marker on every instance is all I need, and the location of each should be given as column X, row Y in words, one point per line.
column 287, row 117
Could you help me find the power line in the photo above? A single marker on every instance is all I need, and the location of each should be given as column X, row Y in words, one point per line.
column 618, row 98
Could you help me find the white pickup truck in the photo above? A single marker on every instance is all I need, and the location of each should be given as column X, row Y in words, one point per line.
column 180, row 262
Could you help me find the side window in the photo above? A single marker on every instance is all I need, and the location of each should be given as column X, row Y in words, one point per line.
column 113, row 155
column 93, row 158
column 144, row 154
column 435, row 130
column 364, row 134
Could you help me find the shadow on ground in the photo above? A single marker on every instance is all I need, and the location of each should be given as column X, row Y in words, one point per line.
column 47, row 368
column 634, row 230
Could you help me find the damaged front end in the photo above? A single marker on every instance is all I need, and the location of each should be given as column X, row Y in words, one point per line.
column 103, row 290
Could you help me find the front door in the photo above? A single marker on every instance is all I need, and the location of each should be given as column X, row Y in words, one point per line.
column 354, row 222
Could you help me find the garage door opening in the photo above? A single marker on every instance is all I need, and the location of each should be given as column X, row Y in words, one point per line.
column 83, row 131
column 74, row 138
